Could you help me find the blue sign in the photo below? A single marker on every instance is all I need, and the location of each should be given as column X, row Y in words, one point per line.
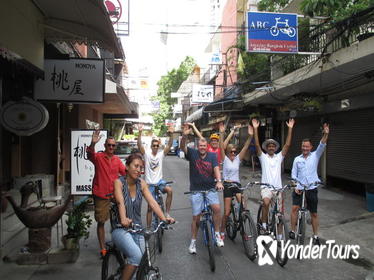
column 272, row 32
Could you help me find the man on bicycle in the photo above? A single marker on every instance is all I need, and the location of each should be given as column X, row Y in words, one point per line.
column 153, row 158
column 304, row 169
column 271, row 166
column 204, row 175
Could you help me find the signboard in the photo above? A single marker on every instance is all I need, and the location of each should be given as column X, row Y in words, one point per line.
column 216, row 58
column 119, row 12
column 72, row 80
column 272, row 32
column 83, row 170
column 202, row 93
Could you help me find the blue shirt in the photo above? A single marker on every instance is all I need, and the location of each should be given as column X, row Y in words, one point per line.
column 305, row 169
column 201, row 170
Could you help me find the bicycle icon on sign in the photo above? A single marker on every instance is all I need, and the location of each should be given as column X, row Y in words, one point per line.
column 283, row 27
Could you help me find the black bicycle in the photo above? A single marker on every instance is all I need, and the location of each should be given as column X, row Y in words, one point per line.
column 242, row 221
column 277, row 226
column 114, row 261
column 302, row 212
column 207, row 227
column 160, row 200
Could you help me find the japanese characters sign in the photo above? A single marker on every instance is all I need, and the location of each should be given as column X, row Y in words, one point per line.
column 272, row 32
column 83, row 170
column 202, row 93
column 72, row 80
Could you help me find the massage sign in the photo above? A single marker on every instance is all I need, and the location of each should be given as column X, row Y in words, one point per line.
column 72, row 80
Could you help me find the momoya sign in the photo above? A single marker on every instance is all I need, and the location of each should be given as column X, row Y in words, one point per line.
column 272, row 32
column 72, row 80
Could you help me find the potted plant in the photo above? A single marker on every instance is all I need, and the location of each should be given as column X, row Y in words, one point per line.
column 78, row 224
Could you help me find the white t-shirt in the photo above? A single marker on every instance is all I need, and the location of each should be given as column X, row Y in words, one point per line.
column 153, row 166
column 231, row 169
column 271, row 169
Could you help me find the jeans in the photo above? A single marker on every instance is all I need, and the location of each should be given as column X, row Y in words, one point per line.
column 130, row 244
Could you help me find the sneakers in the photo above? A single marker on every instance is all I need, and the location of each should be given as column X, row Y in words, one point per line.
column 264, row 230
column 192, row 247
column 292, row 235
column 219, row 241
column 223, row 236
column 316, row 240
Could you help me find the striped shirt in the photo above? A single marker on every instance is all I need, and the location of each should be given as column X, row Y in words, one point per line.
column 133, row 204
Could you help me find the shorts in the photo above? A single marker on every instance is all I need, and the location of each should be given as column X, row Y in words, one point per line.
column 311, row 197
column 197, row 201
column 102, row 209
column 130, row 244
column 161, row 185
column 267, row 193
column 230, row 192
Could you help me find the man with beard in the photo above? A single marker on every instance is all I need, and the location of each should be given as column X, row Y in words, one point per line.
column 204, row 175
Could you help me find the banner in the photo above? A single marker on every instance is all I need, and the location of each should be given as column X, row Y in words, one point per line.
column 202, row 93
column 83, row 170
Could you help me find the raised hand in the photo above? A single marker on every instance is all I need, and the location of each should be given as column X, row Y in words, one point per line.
column 326, row 128
column 221, row 127
column 255, row 123
column 187, row 129
column 250, row 130
column 290, row 123
column 237, row 126
column 171, row 129
column 95, row 136
column 140, row 127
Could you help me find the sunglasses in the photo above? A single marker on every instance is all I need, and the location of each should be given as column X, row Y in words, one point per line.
column 155, row 146
column 233, row 152
column 111, row 145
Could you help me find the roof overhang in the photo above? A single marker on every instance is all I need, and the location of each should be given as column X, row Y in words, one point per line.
column 82, row 21
column 198, row 114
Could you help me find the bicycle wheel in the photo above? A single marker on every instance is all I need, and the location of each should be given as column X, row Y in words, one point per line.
column 249, row 236
column 259, row 220
column 160, row 232
column 230, row 226
column 281, row 230
column 301, row 229
column 209, row 242
column 112, row 264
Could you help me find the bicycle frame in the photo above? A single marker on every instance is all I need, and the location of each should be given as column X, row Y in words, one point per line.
column 206, row 216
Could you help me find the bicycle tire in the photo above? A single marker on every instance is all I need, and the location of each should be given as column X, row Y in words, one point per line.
column 208, row 238
column 301, row 230
column 282, row 260
column 112, row 265
column 143, row 270
column 259, row 218
column 231, row 227
column 249, row 236
column 160, row 232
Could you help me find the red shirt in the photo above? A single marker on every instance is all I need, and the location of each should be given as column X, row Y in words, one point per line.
column 107, row 170
column 217, row 151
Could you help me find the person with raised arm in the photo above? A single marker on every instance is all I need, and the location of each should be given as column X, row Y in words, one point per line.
column 153, row 172
column 204, row 176
column 304, row 169
column 271, row 166
column 231, row 164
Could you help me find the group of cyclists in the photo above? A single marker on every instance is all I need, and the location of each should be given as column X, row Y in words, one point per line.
column 211, row 167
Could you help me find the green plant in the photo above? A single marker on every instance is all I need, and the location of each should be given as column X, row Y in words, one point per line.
column 78, row 222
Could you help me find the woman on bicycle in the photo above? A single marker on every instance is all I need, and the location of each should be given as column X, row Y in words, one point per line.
column 128, row 194
column 231, row 163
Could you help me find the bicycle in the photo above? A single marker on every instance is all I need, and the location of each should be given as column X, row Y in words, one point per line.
column 287, row 29
column 278, row 228
column 114, row 261
column 242, row 221
column 160, row 201
column 207, row 226
column 302, row 212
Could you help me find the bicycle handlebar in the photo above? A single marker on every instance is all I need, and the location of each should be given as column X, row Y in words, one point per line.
column 306, row 186
column 136, row 228
column 206, row 192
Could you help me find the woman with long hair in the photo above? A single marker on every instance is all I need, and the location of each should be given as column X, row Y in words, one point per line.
column 231, row 163
column 128, row 194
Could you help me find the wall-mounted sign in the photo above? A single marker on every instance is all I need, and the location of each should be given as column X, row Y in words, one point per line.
column 202, row 93
column 25, row 117
column 272, row 32
column 72, row 80
column 83, row 170
column 118, row 11
column 345, row 103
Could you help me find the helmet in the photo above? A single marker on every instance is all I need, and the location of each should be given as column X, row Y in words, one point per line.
column 214, row 136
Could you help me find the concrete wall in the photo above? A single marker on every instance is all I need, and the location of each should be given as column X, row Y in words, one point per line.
column 22, row 22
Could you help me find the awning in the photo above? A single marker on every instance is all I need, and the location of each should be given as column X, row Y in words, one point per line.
column 83, row 21
column 231, row 102
column 198, row 114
